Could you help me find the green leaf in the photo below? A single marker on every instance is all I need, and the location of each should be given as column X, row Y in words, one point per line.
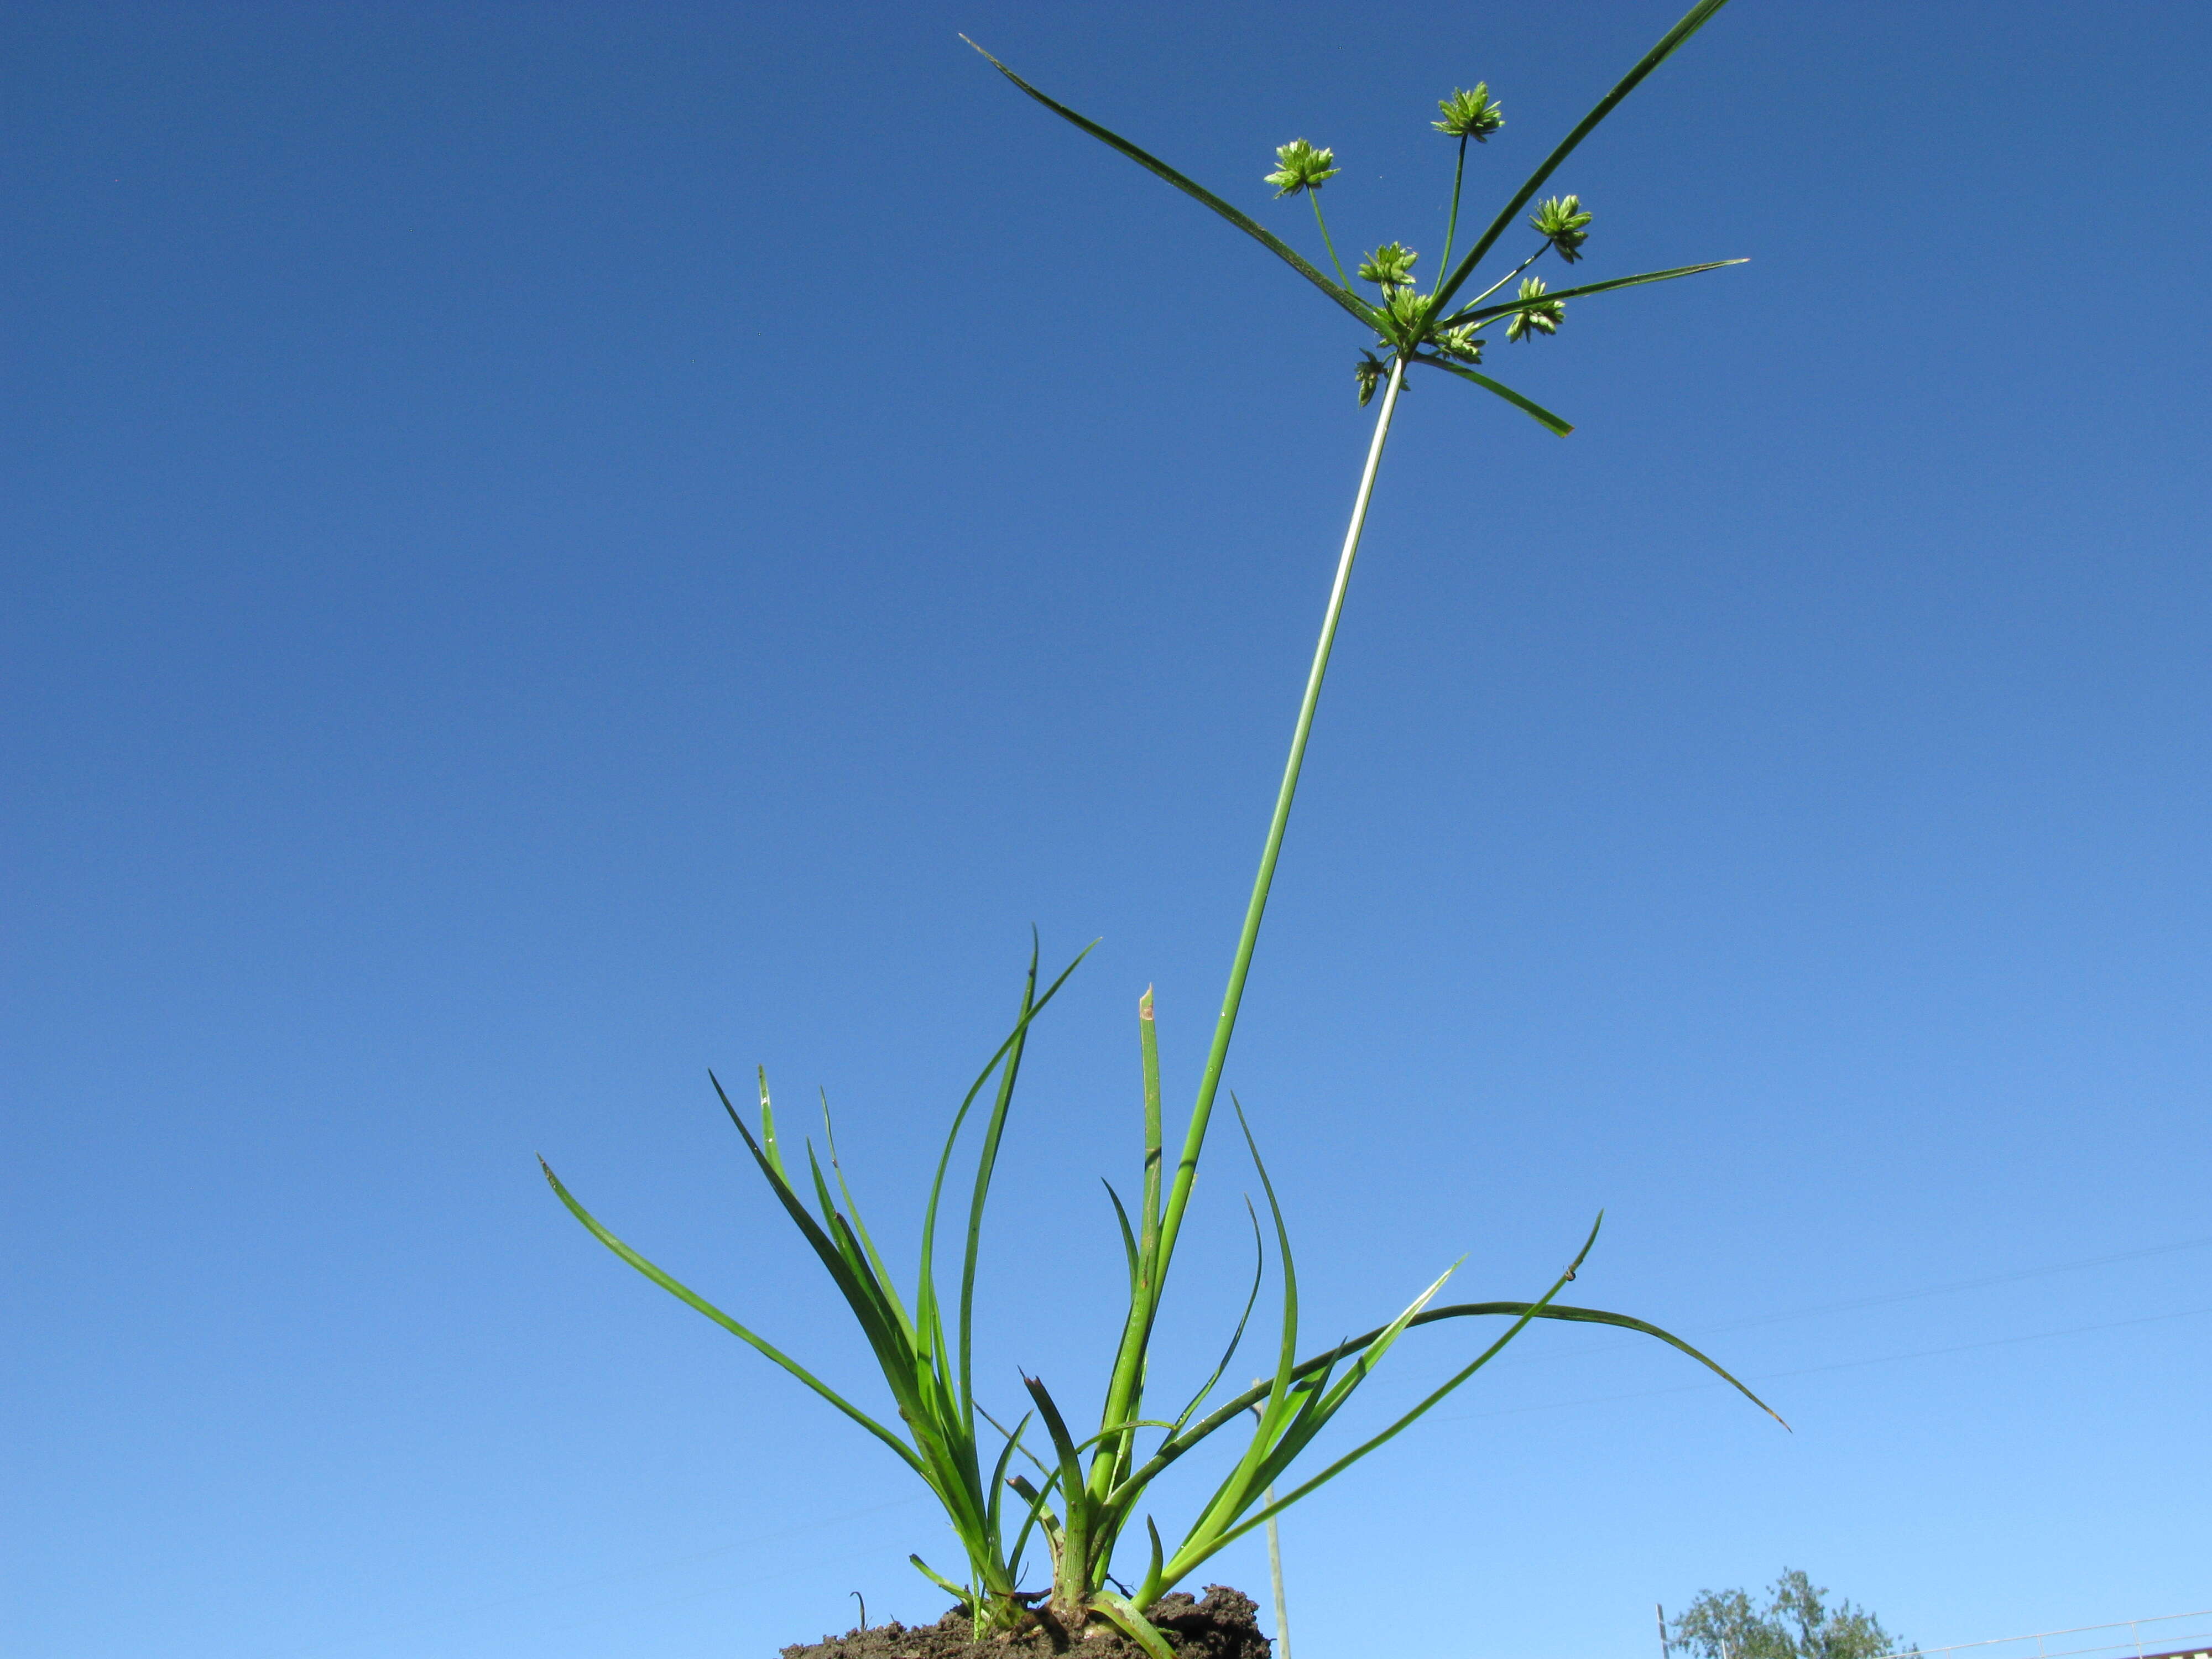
column 1274, row 244
column 998, row 1476
column 1071, row 1477
column 894, row 1355
column 769, row 1142
column 882, row 1273
column 1132, row 1624
column 1286, row 1361
column 1149, row 1591
column 1694, row 20
column 1598, row 1316
column 1535, row 410
column 960, row 1593
column 1483, row 314
column 1128, row 1240
column 1039, row 1516
column 986, row 1163
column 683, row 1293
column 1258, row 1270
column 1188, row 1559
column 1176, row 1444
column 926, row 1317
column 1148, row 1044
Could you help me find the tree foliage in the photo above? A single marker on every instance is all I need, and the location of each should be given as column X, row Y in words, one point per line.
column 1796, row 1623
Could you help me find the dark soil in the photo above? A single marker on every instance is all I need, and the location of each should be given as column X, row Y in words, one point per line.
column 1224, row 1626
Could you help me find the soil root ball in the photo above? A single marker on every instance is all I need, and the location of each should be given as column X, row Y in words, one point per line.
column 1224, row 1626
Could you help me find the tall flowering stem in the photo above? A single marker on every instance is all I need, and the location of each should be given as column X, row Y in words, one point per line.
column 1038, row 1483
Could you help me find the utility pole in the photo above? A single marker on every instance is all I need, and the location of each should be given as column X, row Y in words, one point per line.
column 1665, row 1648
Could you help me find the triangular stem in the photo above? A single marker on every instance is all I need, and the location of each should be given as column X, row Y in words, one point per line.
column 1128, row 1364
column 1241, row 967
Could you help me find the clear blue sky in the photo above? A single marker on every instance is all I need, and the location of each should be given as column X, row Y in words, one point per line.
column 551, row 547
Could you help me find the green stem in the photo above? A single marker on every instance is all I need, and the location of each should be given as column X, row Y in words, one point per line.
column 1449, row 321
column 1210, row 1082
column 1327, row 244
column 1451, row 225
column 1136, row 1334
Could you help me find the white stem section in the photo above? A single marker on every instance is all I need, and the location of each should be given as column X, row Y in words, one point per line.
column 1275, row 1572
column 1210, row 1082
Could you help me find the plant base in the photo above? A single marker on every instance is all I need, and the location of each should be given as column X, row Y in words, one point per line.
column 1224, row 1626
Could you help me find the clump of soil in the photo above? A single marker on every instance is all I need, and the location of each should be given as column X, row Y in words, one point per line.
column 1224, row 1626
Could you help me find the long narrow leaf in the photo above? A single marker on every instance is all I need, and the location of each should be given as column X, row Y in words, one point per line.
column 1328, row 1398
column 1266, row 239
column 959, row 1592
column 1287, row 1359
column 1694, row 20
column 683, row 1293
column 1129, row 1239
column 1176, row 1444
column 1483, row 314
column 998, row 1474
column 926, row 1292
column 1071, row 1472
column 1535, row 410
column 892, row 1352
column 1598, row 1316
column 986, row 1162
column 1014, row 1434
column 1190, row 1556
column 769, row 1146
column 944, row 1450
column 1132, row 1624
column 1321, row 1401
column 882, row 1274
column 1039, row 1516
column 1258, row 1270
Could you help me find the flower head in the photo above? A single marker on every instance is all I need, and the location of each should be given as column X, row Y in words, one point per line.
column 1563, row 220
column 1369, row 371
column 1302, row 167
column 1544, row 317
column 1391, row 265
column 1458, row 343
column 1470, row 114
column 1401, row 310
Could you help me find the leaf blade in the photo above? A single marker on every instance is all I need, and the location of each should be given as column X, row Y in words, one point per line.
column 691, row 1298
column 1691, row 22
column 1556, row 425
column 1483, row 314
column 1243, row 222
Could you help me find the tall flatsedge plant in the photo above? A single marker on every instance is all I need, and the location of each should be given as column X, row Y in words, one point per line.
column 1006, row 1489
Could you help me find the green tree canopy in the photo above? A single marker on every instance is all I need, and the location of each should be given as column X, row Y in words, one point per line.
column 1796, row 1623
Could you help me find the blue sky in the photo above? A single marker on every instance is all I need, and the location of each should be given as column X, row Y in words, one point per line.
column 551, row 548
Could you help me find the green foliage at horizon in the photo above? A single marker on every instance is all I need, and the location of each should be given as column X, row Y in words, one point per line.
column 1796, row 1623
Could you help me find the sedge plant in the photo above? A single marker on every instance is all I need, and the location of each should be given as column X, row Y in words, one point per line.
column 1039, row 1486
